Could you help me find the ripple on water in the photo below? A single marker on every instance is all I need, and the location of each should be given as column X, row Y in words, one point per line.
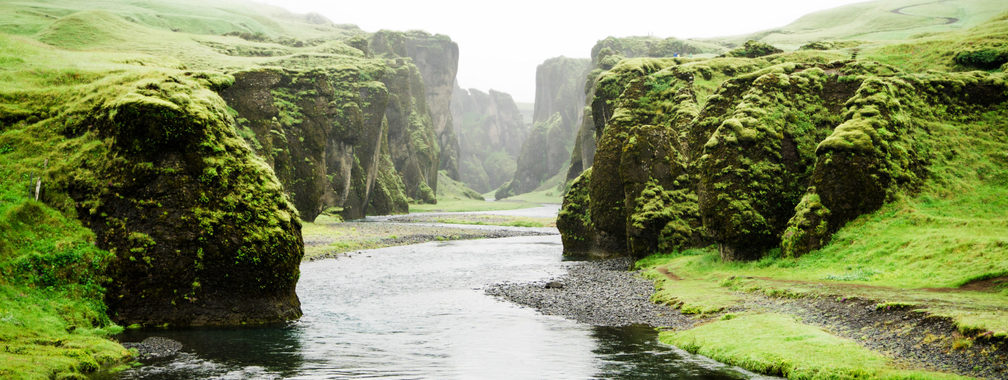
column 420, row 312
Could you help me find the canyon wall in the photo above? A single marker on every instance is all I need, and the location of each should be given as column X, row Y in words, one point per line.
column 490, row 130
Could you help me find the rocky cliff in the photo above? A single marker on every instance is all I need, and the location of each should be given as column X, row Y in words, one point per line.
column 491, row 132
column 321, row 131
column 558, row 106
column 757, row 153
column 436, row 56
column 352, row 133
column 605, row 54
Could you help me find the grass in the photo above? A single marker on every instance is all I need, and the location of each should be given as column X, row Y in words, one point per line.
column 52, row 318
column 894, row 255
column 875, row 21
column 777, row 344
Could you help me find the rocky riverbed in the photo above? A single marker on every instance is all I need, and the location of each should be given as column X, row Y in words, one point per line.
column 601, row 293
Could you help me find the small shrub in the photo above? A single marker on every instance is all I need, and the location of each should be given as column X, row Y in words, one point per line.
column 986, row 59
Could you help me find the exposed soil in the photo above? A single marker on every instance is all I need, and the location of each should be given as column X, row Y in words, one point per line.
column 987, row 285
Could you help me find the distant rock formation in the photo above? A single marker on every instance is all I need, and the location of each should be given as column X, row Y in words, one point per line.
column 558, row 106
column 490, row 131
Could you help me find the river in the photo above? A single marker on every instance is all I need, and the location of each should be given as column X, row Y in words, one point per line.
column 420, row 311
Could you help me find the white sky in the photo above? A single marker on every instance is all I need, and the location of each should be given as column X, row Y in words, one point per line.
column 502, row 42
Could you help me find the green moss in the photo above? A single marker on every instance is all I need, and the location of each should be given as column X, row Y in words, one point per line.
column 668, row 218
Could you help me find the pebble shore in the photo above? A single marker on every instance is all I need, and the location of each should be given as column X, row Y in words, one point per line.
column 601, row 293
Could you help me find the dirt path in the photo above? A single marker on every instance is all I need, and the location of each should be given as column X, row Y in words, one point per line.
column 947, row 20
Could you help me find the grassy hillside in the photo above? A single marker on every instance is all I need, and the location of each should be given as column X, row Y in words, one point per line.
column 880, row 20
column 62, row 65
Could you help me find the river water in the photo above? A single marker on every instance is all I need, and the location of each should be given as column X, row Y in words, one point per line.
column 420, row 311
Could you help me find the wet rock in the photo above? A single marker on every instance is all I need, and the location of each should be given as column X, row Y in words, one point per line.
column 155, row 348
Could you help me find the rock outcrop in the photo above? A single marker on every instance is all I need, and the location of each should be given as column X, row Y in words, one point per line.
column 753, row 154
column 202, row 231
column 606, row 54
column 558, row 107
column 491, row 132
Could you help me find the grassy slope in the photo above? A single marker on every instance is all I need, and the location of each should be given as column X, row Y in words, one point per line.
column 875, row 21
column 789, row 348
column 52, row 318
column 60, row 57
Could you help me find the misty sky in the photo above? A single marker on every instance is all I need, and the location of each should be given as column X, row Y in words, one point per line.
column 502, row 42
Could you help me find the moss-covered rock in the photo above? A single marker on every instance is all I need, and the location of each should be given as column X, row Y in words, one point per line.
column 889, row 138
column 321, row 130
column 606, row 54
column 580, row 238
column 754, row 49
column 752, row 154
column 202, row 231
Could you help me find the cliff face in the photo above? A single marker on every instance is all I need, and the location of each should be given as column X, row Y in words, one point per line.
column 605, row 54
column 320, row 130
column 753, row 154
column 356, row 133
column 412, row 140
column 436, row 56
column 491, row 131
column 558, row 106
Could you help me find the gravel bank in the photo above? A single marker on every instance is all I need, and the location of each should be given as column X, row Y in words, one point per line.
column 601, row 293
column 155, row 348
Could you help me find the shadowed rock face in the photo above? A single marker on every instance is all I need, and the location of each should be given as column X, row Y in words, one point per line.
column 436, row 56
column 558, row 107
column 202, row 231
column 491, row 131
column 772, row 155
column 412, row 141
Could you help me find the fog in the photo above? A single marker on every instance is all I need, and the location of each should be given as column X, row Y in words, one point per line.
column 501, row 43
